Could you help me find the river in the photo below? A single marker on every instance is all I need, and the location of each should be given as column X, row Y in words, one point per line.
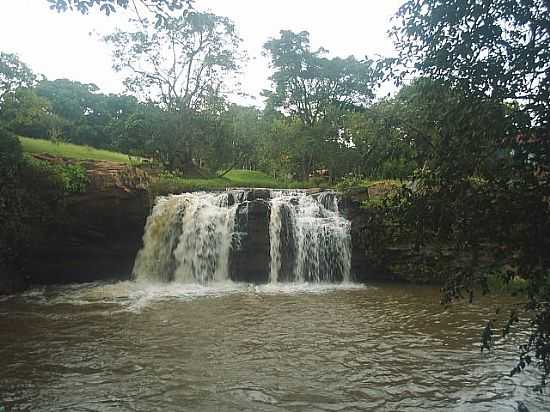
column 234, row 347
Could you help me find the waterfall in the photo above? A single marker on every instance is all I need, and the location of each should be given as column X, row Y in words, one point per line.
column 255, row 235
column 188, row 238
column 310, row 240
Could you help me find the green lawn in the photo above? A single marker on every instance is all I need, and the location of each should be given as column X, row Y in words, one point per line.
column 165, row 183
column 71, row 151
column 235, row 178
column 251, row 178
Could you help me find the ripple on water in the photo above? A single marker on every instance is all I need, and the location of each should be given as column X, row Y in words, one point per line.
column 144, row 346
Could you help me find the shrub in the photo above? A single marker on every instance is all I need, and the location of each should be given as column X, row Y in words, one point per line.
column 68, row 178
column 30, row 201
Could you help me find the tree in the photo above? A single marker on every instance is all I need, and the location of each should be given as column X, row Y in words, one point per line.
column 110, row 6
column 318, row 91
column 490, row 48
column 308, row 85
column 379, row 140
column 89, row 117
column 494, row 58
column 179, row 64
column 202, row 50
column 69, row 99
column 241, row 134
column 13, row 74
column 26, row 113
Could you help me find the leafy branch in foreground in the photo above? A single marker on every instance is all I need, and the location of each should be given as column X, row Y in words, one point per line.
column 110, row 6
column 483, row 187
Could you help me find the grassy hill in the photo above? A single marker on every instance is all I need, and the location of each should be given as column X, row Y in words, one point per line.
column 71, row 151
column 165, row 183
column 235, row 178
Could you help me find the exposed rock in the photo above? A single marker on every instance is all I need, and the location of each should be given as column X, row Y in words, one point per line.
column 101, row 231
column 250, row 257
column 371, row 260
column 11, row 281
column 358, row 194
column 287, row 246
column 259, row 194
column 382, row 188
column 314, row 190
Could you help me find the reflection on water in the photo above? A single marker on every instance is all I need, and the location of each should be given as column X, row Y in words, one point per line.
column 131, row 346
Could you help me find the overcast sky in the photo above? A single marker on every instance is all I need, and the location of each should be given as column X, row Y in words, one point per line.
column 67, row 45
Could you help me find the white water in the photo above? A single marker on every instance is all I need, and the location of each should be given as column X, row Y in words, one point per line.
column 189, row 238
column 321, row 237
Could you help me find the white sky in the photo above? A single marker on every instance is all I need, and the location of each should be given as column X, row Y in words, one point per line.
column 67, row 45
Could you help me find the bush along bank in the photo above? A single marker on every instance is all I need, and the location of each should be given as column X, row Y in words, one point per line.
column 397, row 236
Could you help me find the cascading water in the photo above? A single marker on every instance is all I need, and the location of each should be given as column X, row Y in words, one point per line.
column 246, row 235
column 310, row 240
column 188, row 238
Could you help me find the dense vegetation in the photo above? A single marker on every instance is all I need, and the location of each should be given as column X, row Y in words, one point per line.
column 482, row 130
column 31, row 199
column 469, row 133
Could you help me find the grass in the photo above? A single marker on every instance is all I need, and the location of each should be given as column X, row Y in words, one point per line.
column 71, row 151
column 165, row 183
column 251, row 178
column 514, row 286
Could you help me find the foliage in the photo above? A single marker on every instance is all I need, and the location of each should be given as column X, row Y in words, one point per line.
column 88, row 117
column 70, row 177
column 110, row 6
column 13, row 74
column 490, row 48
column 188, row 86
column 30, row 199
column 379, row 141
column 202, row 49
column 482, row 148
column 317, row 91
column 25, row 112
column 352, row 182
column 199, row 135
column 10, row 152
column 307, row 84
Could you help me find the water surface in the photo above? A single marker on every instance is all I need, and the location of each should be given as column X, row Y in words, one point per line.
column 135, row 346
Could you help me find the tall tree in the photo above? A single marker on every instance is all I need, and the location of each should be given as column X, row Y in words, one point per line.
column 13, row 74
column 378, row 137
column 110, row 6
column 307, row 84
column 180, row 63
column 183, row 64
column 497, row 48
column 26, row 113
column 317, row 90
column 481, row 50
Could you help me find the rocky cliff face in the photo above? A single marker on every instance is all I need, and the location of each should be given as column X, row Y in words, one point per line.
column 375, row 256
column 250, row 258
column 101, row 229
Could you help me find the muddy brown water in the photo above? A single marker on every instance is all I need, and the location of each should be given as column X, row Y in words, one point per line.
column 132, row 346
